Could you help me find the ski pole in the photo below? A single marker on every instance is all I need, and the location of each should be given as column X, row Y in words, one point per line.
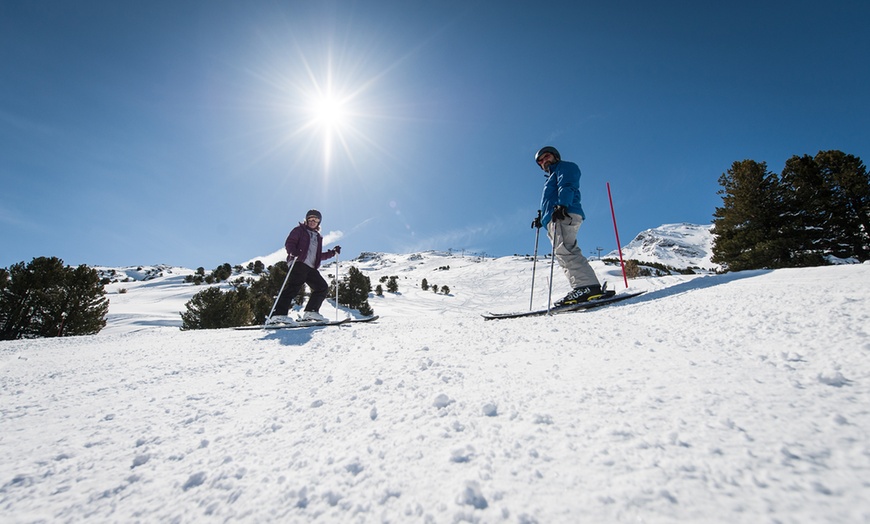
column 615, row 230
column 282, row 288
column 537, row 225
column 337, row 269
column 552, row 264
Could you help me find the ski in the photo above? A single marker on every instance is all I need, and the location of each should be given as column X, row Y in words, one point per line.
column 364, row 319
column 296, row 325
column 582, row 306
column 305, row 324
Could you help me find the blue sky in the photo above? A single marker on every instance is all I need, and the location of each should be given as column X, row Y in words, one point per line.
column 189, row 133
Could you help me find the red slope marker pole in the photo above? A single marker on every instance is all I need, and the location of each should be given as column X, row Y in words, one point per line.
column 615, row 230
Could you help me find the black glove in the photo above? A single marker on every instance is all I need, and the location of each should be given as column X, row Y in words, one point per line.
column 536, row 223
column 560, row 213
column 337, row 249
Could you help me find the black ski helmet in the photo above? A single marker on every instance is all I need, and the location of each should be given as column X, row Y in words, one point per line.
column 548, row 149
column 314, row 213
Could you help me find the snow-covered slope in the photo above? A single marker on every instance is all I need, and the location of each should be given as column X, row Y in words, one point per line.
column 146, row 296
column 718, row 398
column 675, row 245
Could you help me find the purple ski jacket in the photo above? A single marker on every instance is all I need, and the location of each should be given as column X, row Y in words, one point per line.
column 298, row 242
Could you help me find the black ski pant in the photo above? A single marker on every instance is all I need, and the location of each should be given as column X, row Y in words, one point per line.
column 302, row 274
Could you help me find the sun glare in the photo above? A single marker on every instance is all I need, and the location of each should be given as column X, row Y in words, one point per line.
column 333, row 103
column 329, row 111
column 330, row 116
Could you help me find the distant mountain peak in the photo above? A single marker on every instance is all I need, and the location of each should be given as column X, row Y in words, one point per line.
column 677, row 245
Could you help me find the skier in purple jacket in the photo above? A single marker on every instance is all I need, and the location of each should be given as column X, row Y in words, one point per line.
column 304, row 245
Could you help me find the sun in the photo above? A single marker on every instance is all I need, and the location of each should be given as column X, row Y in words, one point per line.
column 333, row 103
column 329, row 111
column 330, row 114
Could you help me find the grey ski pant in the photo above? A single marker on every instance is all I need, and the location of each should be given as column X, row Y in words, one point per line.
column 563, row 235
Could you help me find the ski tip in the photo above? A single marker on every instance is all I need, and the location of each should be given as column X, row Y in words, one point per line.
column 365, row 319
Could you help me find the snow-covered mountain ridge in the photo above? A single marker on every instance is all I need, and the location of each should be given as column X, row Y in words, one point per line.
column 676, row 245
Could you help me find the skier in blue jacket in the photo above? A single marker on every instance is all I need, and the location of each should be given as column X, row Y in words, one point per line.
column 562, row 215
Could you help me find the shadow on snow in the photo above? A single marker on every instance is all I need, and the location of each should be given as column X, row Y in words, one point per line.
column 295, row 336
column 698, row 283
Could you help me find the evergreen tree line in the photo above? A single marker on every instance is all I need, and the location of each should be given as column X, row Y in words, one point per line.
column 426, row 286
column 817, row 208
column 47, row 299
column 250, row 301
column 221, row 273
column 638, row 269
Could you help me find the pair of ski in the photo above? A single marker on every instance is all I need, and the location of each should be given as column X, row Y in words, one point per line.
column 310, row 323
column 581, row 306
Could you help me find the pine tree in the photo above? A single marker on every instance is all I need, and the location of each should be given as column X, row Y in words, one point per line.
column 84, row 303
column 222, row 272
column 828, row 206
column 263, row 292
column 354, row 291
column 749, row 225
column 46, row 299
column 212, row 308
column 849, row 185
column 805, row 200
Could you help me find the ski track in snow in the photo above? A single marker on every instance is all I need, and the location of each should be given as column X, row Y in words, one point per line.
column 734, row 398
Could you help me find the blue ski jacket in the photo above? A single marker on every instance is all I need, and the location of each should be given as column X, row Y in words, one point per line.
column 562, row 188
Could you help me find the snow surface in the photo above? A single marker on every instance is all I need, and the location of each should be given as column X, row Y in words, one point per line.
column 742, row 397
